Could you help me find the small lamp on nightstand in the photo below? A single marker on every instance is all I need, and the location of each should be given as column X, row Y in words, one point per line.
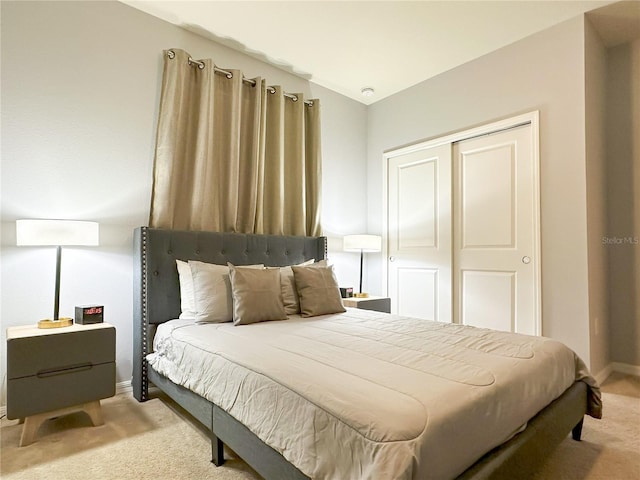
column 56, row 233
column 362, row 244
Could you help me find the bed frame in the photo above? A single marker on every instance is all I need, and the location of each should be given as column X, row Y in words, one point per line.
column 157, row 300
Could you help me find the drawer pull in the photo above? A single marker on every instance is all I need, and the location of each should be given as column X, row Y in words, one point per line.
column 64, row 370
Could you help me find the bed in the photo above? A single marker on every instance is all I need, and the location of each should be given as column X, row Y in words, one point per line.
column 157, row 308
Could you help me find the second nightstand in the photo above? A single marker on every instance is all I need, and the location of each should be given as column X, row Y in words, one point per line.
column 379, row 304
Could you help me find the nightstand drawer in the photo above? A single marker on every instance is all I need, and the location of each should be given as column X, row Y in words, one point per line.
column 59, row 389
column 33, row 355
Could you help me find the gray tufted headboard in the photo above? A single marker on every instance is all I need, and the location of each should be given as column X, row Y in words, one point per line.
column 156, row 289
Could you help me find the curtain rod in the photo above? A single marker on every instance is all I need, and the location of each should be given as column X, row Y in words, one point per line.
column 171, row 54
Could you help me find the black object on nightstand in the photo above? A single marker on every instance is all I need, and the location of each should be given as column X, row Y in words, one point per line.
column 346, row 292
column 87, row 314
column 53, row 372
column 379, row 304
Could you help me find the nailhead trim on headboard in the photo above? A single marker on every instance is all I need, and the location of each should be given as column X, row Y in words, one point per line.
column 144, row 324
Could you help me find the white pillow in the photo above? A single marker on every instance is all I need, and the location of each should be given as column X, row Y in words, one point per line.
column 212, row 291
column 187, row 300
column 290, row 297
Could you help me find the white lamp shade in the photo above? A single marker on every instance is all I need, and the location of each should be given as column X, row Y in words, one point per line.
column 362, row 243
column 56, row 232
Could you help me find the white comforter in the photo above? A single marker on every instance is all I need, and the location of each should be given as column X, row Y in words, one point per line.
column 365, row 395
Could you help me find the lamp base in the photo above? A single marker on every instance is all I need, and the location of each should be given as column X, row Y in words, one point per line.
column 61, row 322
column 361, row 295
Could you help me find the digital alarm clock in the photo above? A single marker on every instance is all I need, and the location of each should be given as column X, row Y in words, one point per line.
column 346, row 292
column 87, row 314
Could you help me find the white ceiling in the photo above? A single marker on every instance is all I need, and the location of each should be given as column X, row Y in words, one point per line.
column 348, row 45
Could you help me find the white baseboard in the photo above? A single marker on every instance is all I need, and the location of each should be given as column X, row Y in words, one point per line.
column 625, row 368
column 124, row 387
column 603, row 374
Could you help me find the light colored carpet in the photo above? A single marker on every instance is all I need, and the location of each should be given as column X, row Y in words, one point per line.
column 141, row 441
column 610, row 448
column 153, row 440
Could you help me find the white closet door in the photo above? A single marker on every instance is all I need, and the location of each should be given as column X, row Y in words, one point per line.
column 494, row 274
column 419, row 233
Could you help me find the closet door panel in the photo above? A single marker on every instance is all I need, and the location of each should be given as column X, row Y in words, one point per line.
column 417, row 205
column 495, row 284
column 420, row 302
column 487, row 194
column 488, row 299
column 419, row 233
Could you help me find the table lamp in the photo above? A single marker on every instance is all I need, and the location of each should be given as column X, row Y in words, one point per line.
column 56, row 233
column 362, row 244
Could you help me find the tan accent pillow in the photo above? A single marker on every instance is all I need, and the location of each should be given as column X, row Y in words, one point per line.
column 318, row 291
column 187, row 300
column 288, row 285
column 256, row 295
column 212, row 291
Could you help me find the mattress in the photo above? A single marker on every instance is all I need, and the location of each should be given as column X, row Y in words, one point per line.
column 369, row 395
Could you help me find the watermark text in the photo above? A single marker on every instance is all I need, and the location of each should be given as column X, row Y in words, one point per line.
column 620, row 240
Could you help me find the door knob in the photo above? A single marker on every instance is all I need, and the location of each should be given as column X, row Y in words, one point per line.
column 526, row 260
column 392, row 258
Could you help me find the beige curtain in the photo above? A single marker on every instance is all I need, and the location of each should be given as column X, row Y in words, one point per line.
column 232, row 156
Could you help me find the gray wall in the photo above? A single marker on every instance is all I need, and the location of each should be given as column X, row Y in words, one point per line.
column 543, row 72
column 80, row 88
column 623, row 159
column 595, row 112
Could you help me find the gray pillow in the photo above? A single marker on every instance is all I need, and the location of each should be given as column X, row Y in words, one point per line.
column 318, row 291
column 212, row 291
column 288, row 285
column 256, row 295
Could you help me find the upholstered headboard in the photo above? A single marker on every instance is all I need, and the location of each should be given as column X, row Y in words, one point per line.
column 156, row 289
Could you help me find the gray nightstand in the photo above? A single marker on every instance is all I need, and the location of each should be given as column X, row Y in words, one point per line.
column 52, row 372
column 379, row 304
